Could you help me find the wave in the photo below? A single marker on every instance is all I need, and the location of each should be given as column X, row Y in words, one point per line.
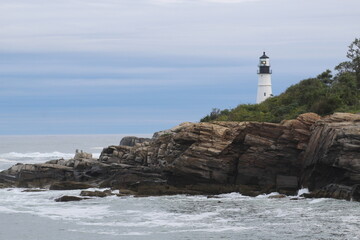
column 37, row 156
column 7, row 160
column 98, row 148
column 34, row 156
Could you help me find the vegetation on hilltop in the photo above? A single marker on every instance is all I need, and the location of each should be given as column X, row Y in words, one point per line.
column 324, row 94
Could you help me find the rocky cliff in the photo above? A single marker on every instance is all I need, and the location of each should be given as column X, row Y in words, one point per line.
column 217, row 157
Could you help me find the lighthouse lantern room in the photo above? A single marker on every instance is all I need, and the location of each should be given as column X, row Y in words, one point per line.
column 264, row 90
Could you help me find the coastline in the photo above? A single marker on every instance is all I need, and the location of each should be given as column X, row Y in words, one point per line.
column 252, row 158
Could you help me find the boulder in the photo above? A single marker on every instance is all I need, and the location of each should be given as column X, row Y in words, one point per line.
column 102, row 194
column 277, row 196
column 131, row 141
column 82, row 155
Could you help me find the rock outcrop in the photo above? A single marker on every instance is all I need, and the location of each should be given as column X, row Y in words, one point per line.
column 333, row 154
column 218, row 157
column 131, row 141
column 236, row 154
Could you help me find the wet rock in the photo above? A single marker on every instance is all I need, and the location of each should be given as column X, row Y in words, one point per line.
column 69, row 185
column 34, row 190
column 336, row 191
column 105, row 193
column 277, row 196
column 125, row 192
column 212, row 196
column 69, row 199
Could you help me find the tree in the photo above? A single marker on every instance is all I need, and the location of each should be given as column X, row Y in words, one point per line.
column 354, row 55
column 344, row 67
column 353, row 65
column 326, row 77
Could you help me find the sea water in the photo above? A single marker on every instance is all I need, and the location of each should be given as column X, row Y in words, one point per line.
column 36, row 216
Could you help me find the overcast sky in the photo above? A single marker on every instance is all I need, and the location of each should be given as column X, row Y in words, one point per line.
column 139, row 66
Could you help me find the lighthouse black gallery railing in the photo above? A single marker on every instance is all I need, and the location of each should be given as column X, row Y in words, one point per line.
column 264, row 69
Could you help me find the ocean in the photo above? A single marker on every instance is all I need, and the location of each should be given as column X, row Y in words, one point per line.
column 36, row 216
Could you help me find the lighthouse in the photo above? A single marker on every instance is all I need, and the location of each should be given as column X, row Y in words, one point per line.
column 264, row 90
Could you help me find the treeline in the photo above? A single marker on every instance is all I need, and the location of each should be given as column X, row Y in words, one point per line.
column 324, row 94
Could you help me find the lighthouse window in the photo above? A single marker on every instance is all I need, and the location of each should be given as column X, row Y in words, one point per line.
column 264, row 94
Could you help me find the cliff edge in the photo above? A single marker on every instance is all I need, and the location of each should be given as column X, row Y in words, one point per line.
column 217, row 157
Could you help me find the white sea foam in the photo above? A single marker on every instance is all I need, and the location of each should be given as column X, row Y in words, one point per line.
column 302, row 191
column 70, row 211
column 135, row 234
column 7, row 160
column 98, row 148
column 36, row 155
column 43, row 204
column 7, row 210
column 186, row 217
column 233, row 195
column 267, row 195
column 318, row 200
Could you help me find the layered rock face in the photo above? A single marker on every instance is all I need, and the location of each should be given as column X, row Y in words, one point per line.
column 217, row 157
column 333, row 154
column 259, row 155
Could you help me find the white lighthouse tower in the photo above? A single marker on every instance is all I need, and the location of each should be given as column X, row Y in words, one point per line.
column 264, row 90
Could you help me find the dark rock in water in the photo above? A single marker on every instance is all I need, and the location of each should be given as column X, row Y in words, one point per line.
column 212, row 196
column 125, row 192
column 131, row 141
column 147, row 188
column 105, row 193
column 69, row 185
column 336, row 191
column 34, row 190
column 355, row 193
column 68, row 199
column 277, row 196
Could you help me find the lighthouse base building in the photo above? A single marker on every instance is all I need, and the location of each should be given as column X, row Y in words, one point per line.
column 264, row 90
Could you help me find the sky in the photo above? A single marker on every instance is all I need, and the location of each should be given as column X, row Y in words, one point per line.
column 141, row 66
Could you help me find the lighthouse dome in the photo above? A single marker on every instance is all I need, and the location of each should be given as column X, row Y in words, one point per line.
column 264, row 56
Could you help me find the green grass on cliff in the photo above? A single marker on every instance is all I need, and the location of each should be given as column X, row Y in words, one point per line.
column 324, row 94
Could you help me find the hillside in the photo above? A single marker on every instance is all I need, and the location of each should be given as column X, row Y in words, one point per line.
column 323, row 94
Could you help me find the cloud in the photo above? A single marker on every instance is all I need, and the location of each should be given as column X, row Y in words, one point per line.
column 209, row 1
column 194, row 27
